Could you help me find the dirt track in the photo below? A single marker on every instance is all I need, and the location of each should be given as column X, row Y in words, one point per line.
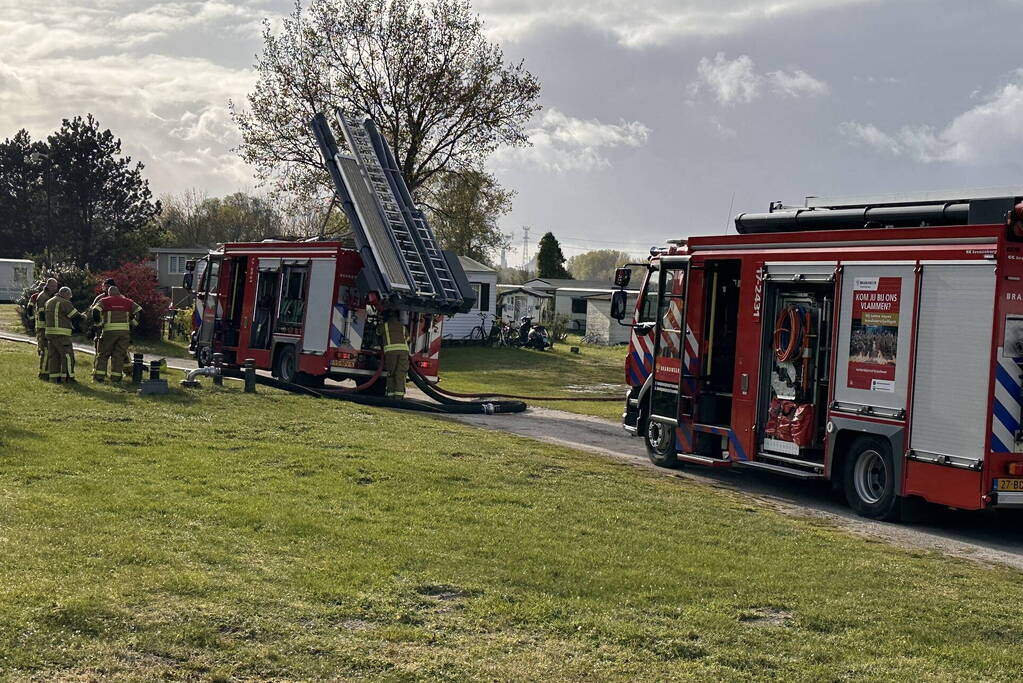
column 989, row 538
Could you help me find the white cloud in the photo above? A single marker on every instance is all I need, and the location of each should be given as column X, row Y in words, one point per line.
column 731, row 81
column 797, row 83
column 648, row 23
column 871, row 135
column 59, row 59
column 562, row 143
column 736, row 81
column 984, row 132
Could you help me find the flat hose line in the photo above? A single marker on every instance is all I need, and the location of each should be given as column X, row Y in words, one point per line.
column 427, row 387
column 447, row 406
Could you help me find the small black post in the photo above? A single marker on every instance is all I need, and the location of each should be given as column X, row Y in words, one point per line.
column 154, row 370
column 137, row 367
column 250, row 376
column 218, row 362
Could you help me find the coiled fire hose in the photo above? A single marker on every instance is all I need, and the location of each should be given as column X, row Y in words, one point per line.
column 792, row 338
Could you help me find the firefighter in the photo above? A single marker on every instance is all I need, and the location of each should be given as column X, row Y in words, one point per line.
column 97, row 325
column 60, row 313
column 117, row 315
column 48, row 291
column 97, row 321
column 393, row 332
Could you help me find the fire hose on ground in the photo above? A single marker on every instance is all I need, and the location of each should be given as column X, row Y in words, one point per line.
column 445, row 405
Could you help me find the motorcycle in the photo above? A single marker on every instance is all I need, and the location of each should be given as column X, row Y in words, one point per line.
column 533, row 336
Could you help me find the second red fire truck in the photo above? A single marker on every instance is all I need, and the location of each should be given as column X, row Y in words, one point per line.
column 877, row 344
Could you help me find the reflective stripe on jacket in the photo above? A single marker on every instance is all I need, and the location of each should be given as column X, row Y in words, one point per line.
column 117, row 312
column 394, row 330
column 41, row 300
column 59, row 313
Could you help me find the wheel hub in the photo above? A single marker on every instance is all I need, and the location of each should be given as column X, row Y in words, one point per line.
column 871, row 476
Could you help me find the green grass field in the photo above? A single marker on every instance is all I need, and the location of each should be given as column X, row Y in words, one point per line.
column 9, row 319
column 594, row 371
column 220, row 535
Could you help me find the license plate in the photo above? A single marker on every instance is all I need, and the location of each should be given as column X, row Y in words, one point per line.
column 343, row 363
column 1009, row 484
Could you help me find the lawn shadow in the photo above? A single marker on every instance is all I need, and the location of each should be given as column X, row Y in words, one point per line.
column 124, row 390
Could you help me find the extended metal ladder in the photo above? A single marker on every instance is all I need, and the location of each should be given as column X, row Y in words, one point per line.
column 402, row 260
column 362, row 147
column 443, row 278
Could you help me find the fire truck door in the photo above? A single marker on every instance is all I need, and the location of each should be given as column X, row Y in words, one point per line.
column 672, row 391
column 211, row 312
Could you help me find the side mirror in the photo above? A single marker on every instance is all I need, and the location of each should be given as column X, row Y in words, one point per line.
column 619, row 300
column 186, row 282
column 622, row 277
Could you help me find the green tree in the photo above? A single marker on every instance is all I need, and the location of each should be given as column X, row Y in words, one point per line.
column 104, row 214
column 193, row 219
column 550, row 262
column 23, row 229
column 440, row 91
column 464, row 211
column 599, row 264
column 75, row 198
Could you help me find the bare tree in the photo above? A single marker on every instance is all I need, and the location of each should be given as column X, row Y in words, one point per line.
column 440, row 92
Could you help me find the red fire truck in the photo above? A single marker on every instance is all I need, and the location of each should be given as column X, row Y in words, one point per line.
column 877, row 344
column 295, row 308
column 308, row 310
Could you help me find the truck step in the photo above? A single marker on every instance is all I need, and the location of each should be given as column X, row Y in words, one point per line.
column 779, row 469
column 792, row 461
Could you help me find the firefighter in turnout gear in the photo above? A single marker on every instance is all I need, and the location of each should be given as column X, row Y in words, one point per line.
column 395, row 345
column 48, row 291
column 97, row 326
column 97, row 321
column 60, row 313
column 117, row 315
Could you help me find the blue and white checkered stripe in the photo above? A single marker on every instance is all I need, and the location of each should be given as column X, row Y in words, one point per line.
column 338, row 325
column 1005, row 420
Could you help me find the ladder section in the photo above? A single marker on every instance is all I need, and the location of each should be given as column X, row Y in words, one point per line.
column 443, row 278
column 362, row 147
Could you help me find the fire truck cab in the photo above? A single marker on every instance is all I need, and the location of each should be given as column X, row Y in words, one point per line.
column 876, row 344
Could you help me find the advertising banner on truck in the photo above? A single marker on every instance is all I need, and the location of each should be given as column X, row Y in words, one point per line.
column 874, row 339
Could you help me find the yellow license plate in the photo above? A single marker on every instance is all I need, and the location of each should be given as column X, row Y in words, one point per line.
column 343, row 363
column 1009, row 484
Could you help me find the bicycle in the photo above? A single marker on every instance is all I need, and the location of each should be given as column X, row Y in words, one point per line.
column 479, row 333
column 501, row 335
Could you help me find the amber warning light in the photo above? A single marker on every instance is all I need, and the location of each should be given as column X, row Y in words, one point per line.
column 1016, row 468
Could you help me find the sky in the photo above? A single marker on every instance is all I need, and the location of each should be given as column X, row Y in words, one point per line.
column 661, row 118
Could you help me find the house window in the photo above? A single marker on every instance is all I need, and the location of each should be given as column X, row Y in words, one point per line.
column 482, row 292
column 176, row 264
column 578, row 305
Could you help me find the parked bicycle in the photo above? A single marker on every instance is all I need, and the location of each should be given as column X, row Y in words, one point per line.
column 480, row 332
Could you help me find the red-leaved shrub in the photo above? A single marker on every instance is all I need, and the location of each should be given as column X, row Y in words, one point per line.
column 137, row 281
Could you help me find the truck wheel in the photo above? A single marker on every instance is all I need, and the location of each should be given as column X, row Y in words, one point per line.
column 869, row 479
column 660, row 444
column 285, row 365
column 204, row 356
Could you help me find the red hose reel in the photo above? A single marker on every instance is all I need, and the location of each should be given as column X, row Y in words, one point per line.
column 788, row 420
column 792, row 338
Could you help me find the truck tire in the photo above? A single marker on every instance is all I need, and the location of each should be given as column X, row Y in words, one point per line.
column 660, row 444
column 869, row 479
column 286, row 364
